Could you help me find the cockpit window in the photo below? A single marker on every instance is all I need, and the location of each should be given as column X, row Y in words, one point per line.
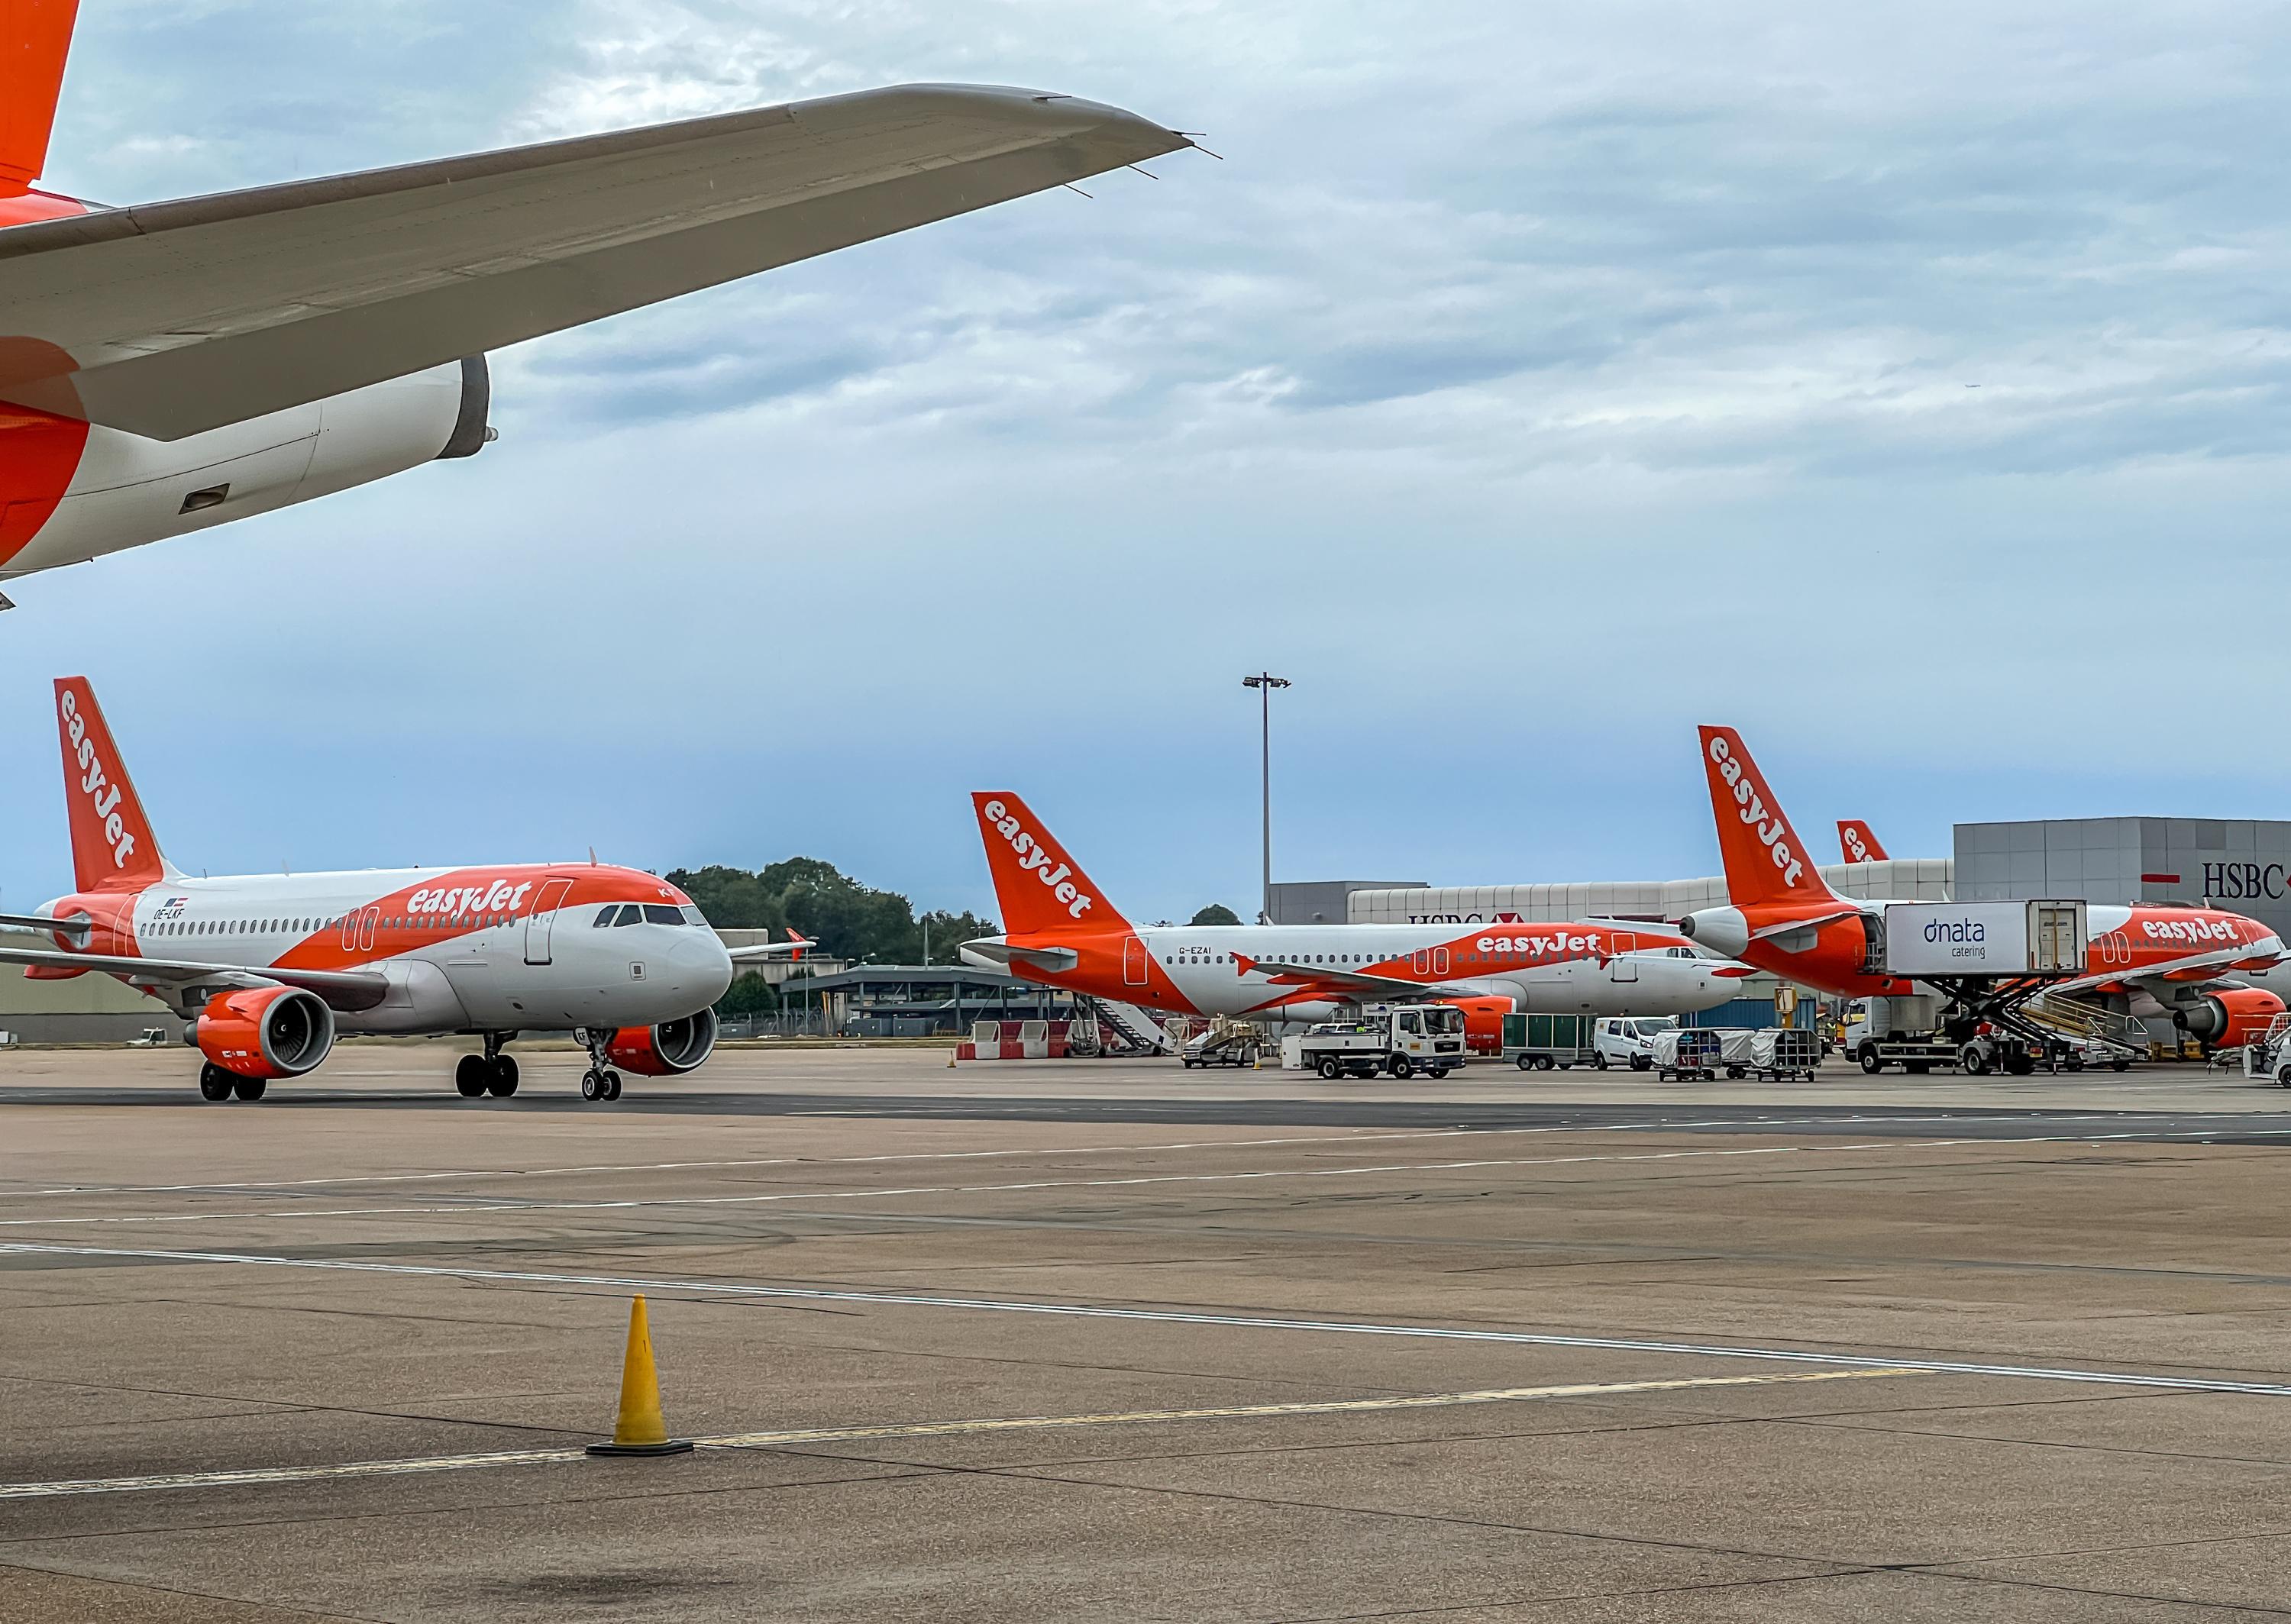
column 694, row 916
column 617, row 913
column 663, row 913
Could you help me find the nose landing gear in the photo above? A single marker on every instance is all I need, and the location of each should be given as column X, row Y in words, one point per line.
column 600, row 1080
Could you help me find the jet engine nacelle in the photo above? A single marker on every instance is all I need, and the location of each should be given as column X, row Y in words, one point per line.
column 666, row 1049
column 1723, row 930
column 2230, row 1018
column 1483, row 1019
column 265, row 1031
column 118, row 490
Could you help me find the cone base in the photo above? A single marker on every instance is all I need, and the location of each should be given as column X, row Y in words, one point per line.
column 673, row 1446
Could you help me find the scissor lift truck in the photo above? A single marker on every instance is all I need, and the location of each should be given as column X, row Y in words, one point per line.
column 1990, row 959
column 1399, row 1039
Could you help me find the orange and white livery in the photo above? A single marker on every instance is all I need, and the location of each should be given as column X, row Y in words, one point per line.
column 168, row 366
column 2144, row 959
column 1059, row 929
column 1858, row 843
column 270, row 969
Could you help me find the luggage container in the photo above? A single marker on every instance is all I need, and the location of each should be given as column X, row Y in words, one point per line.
column 1689, row 1054
column 1538, row 1042
column 1734, row 1049
column 1782, row 1054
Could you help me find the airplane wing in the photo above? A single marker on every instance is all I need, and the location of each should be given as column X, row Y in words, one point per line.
column 2160, row 980
column 989, row 955
column 346, row 990
column 1352, row 981
column 170, row 318
column 1810, row 923
column 759, row 952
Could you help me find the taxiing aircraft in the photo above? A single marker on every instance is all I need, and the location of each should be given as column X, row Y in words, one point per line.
column 2144, row 959
column 270, row 969
column 1858, row 843
column 1062, row 932
column 172, row 366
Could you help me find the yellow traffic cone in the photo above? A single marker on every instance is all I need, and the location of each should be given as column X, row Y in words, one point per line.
column 640, row 1429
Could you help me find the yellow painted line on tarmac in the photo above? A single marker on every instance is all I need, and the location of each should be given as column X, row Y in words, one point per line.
column 257, row 1475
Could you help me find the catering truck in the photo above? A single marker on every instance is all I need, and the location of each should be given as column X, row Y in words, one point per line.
column 1398, row 1039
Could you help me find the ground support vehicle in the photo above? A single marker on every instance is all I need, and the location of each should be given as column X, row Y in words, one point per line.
column 1784, row 1054
column 1225, row 1043
column 1622, row 1040
column 1538, row 1042
column 2271, row 1056
column 1399, row 1039
column 1689, row 1054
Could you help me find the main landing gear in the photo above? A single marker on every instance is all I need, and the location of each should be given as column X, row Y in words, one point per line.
column 491, row 1073
column 216, row 1083
column 600, row 1080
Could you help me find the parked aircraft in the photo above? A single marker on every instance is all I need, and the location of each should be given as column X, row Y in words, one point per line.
column 1858, row 843
column 169, row 366
column 270, row 969
column 1061, row 930
column 2145, row 960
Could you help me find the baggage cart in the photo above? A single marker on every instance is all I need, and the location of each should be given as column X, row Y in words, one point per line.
column 1539, row 1042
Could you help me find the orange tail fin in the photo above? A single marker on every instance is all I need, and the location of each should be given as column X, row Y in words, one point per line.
column 112, row 845
column 1858, row 843
column 1037, row 885
column 1764, row 859
column 34, row 38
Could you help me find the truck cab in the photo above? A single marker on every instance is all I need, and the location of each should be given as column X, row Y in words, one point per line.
column 1399, row 1039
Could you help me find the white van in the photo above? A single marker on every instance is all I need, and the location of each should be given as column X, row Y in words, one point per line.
column 1628, row 1040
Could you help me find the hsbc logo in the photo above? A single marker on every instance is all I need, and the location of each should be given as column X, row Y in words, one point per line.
column 102, row 794
column 1034, row 860
column 1764, row 822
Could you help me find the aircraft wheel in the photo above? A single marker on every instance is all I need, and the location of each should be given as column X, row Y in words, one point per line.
column 247, row 1088
column 470, row 1076
column 1402, row 1068
column 611, row 1083
column 592, row 1086
column 502, row 1083
column 214, row 1082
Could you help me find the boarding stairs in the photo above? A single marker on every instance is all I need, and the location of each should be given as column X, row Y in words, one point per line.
column 2072, row 1017
column 1135, row 1026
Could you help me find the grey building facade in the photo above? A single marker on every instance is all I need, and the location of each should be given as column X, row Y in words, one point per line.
column 2242, row 864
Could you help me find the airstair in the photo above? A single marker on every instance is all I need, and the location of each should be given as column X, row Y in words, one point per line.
column 2072, row 1018
column 1138, row 1028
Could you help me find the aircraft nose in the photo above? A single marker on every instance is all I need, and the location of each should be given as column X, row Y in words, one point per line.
column 700, row 962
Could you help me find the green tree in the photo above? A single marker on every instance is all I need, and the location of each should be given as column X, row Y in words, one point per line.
column 847, row 919
column 1216, row 913
column 749, row 995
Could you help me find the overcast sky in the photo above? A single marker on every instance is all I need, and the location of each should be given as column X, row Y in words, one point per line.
column 1905, row 384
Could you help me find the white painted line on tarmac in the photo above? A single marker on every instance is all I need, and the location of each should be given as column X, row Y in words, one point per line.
column 913, row 1429
column 627, row 1203
column 1177, row 1316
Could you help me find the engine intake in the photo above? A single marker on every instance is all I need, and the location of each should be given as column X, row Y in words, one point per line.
column 666, row 1049
column 266, row 1032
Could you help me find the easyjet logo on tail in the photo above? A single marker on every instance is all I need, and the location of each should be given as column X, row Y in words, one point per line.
column 95, row 782
column 1034, row 858
column 1755, row 807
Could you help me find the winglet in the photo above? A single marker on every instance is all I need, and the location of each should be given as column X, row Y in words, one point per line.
column 1766, row 862
column 1037, row 885
column 112, row 845
column 1858, row 843
column 34, row 38
column 802, row 944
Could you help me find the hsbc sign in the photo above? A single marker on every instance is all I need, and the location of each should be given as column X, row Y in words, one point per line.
column 2238, row 882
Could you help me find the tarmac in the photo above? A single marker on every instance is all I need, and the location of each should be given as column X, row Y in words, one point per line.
column 1118, row 1340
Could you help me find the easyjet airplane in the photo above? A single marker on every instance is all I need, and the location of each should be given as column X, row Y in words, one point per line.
column 172, row 366
column 1063, row 933
column 1858, row 843
column 2144, row 959
column 268, row 969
